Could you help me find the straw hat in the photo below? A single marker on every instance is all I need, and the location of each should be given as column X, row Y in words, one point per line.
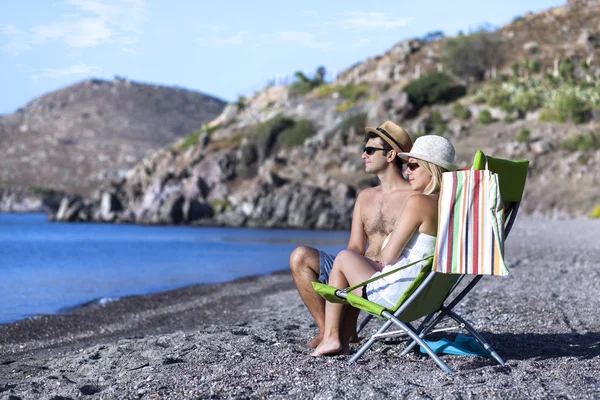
column 435, row 149
column 394, row 135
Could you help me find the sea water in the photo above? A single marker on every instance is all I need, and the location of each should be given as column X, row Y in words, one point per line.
column 48, row 268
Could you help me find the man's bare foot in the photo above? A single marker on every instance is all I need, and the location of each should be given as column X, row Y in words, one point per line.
column 328, row 347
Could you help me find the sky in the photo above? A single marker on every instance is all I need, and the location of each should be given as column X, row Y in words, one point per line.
column 223, row 48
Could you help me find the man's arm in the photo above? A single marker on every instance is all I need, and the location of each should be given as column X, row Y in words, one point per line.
column 358, row 237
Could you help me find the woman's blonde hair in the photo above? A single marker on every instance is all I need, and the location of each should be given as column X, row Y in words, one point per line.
column 436, row 176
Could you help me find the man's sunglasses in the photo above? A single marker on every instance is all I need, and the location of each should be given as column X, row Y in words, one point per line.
column 371, row 150
column 412, row 166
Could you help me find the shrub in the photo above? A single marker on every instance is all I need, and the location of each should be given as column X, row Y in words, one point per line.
column 524, row 136
column 595, row 212
column 357, row 121
column 460, row 111
column 508, row 107
column 372, row 97
column 438, row 126
column 265, row 135
column 470, row 56
column 354, row 92
column 534, row 66
column 220, row 205
column 584, row 142
column 326, row 90
column 40, row 190
column 432, row 36
column 304, row 84
column 569, row 106
column 432, row 89
column 515, row 69
column 485, row 117
column 566, row 69
column 345, row 106
column 268, row 137
column 495, row 96
column 241, row 102
column 192, row 138
column 547, row 115
column 296, row 134
column 226, row 143
column 527, row 101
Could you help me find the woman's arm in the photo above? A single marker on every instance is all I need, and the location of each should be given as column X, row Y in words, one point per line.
column 414, row 213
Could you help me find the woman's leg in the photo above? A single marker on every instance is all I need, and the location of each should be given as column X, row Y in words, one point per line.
column 349, row 268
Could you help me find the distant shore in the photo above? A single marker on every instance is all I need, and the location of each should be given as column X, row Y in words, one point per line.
column 243, row 339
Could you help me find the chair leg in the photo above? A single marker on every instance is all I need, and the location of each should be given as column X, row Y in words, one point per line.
column 372, row 340
column 424, row 329
column 416, row 338
column 477, row 336
column 364, row 323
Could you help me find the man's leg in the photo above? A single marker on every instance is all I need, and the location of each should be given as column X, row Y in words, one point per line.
column 305, row 266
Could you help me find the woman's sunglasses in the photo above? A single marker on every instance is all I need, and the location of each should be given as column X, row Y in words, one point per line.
column 412, row 166
column 371, row 150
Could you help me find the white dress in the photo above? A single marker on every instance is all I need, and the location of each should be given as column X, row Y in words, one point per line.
column 387, row 290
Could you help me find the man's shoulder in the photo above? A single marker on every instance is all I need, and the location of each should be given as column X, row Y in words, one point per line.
column 369, row 192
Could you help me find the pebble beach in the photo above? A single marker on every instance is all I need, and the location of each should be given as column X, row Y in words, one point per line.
column 243, row 339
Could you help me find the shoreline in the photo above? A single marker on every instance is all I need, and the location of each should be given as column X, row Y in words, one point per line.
column 243, row 339
column 44, row 331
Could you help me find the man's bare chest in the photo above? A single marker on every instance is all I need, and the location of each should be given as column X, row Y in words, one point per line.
column 380, row 216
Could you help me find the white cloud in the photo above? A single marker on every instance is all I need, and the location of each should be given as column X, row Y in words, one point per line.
column 236, row 39
column 81, row 33
column 93, row 23
column 360, row 43
column 128, row 50
column 365, row 20
column 305, row 39
column 57, row 73
column 127, row 15
column 10, row 30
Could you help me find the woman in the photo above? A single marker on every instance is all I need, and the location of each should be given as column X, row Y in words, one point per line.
column 412, row 239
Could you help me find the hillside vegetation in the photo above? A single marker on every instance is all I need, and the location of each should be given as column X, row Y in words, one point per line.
column 290, row 156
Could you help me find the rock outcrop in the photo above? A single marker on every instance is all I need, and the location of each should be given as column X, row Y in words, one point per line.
column 19, row 200
column 78, row 137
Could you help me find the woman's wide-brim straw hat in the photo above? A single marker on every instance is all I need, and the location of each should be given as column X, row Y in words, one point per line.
column 394, row 135
column 435, row 149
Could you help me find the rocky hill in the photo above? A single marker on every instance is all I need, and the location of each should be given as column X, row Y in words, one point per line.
column 78, row 137
column 290, row 156
column 569, row 31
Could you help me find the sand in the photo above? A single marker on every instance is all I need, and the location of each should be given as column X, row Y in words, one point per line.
column 243, row 339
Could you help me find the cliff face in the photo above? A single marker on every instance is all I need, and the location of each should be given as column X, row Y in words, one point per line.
column 215, row 182
column 91, row 132
column 283, row 160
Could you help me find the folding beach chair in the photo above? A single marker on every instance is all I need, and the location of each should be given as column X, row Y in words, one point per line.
column 431, row 296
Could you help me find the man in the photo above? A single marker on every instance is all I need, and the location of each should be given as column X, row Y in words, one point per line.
column 375, row 213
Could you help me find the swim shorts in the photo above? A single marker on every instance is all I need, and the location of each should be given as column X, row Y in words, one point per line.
column 325, row 266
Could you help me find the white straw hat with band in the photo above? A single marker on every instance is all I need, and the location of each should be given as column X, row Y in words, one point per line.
column 435, row 149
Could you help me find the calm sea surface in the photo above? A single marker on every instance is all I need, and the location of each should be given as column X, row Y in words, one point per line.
column 47, row 268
